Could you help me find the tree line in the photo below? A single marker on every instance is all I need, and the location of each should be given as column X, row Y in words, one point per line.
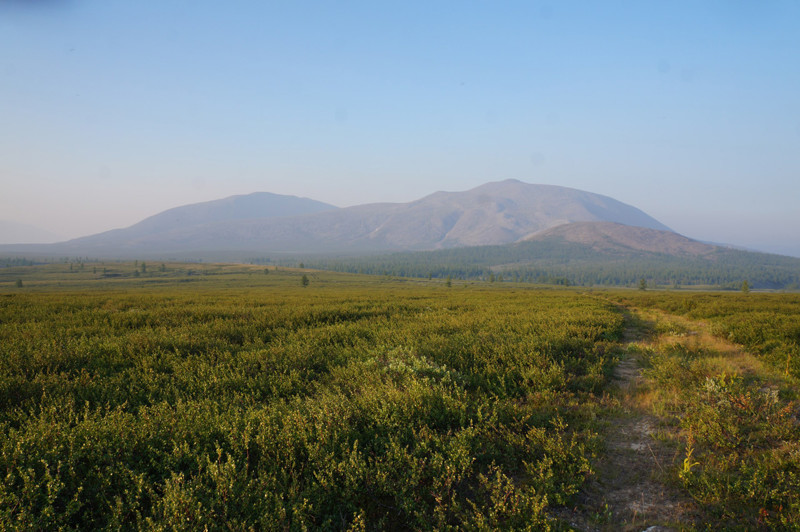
column 570, row 264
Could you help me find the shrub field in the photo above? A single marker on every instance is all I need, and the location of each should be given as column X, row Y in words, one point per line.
column 731, row 402
column 250, row 401
column 225, row 397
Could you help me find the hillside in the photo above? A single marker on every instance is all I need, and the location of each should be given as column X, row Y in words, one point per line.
column 612, row 237
column 491, row 214
column 498, row 213
column 195, row 217
column 589, row 254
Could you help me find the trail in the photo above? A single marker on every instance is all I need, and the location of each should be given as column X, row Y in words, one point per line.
column 631, row 490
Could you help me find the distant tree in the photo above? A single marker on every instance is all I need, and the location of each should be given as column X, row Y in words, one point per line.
column 19, row 283
column 302, row 265
column 449, row 282
column 304, row 280
column 94, row 269
column 144, row 267
column 642, row 284
column 745, row 287
column 136, row 273
column 163, row 267
column 266, row 271
column 491, row 277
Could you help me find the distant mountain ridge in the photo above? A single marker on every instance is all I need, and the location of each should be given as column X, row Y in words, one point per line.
column 539, row 233
column 494, row 213
column 259, row 205
column 15, row 232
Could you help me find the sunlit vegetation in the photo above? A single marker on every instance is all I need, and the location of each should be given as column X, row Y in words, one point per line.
column 224, row 397
column 186, row 396
column 766, row 324
column 734, row 411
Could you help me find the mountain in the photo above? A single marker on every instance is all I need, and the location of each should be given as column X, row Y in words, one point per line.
column 539, row 233
column 17, row 233
column 588, row 254
column 494, row 213
column 196, row 217
column 609, row 237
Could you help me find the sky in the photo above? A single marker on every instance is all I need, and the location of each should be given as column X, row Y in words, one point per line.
column 112, row 111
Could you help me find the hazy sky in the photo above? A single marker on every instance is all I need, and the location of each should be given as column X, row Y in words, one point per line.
column 111, row 110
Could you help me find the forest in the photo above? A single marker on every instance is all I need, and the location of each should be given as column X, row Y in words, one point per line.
column 563, row 263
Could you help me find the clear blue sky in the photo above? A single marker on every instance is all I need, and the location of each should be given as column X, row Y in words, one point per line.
column 113, row 110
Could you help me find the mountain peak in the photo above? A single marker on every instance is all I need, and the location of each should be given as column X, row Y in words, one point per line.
column 499, row 212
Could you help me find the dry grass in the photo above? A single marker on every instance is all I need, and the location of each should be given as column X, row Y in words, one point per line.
column 720, row 356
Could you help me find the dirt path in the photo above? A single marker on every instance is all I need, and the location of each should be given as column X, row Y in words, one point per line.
column 631, row 490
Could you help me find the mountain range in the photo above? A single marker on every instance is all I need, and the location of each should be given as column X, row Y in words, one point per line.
column 495, row 213
column 538, row 232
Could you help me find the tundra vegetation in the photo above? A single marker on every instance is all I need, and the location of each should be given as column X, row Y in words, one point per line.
column 722, row 374
column 197, row 396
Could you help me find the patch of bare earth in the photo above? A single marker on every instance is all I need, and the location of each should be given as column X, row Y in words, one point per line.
column 631, row 490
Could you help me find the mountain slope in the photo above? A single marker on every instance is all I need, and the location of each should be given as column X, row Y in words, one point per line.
column 494, row 213
column 498, row 213
column 195, row 217
column 614, row 237
column 590, row 253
